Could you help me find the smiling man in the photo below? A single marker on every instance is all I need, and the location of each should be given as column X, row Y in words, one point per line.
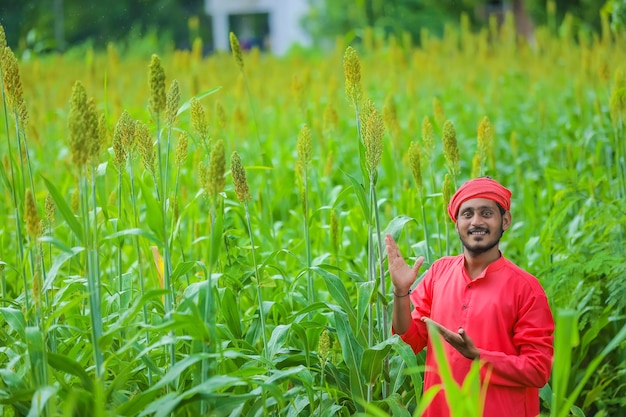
column 485, row 307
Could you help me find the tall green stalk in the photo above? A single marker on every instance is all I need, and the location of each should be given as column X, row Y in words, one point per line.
column 243, row 195
column 157, row 105
column 304, row 148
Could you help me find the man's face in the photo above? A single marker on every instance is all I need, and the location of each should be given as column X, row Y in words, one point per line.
column 480, row 225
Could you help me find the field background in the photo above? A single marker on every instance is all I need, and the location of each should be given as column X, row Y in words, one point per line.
column 90, row 260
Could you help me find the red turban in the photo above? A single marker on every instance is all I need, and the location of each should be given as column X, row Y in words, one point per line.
column 483, row 187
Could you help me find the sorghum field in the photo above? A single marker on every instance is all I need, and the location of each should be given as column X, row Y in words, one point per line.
column 185, row 235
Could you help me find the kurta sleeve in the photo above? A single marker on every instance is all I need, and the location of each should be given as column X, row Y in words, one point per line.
column 421, row 297
column 533, row 338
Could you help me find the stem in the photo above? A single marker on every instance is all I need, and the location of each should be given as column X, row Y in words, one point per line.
column 92, row 279
column 258, row 280
column 307, row 239
column 167, row 262
column 139, row 260
column 425, row 223
column 383, row 287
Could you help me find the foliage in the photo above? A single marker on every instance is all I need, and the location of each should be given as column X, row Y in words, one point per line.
column 273, row 304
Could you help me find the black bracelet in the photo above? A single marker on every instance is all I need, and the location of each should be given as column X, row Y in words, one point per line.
column 400, row 296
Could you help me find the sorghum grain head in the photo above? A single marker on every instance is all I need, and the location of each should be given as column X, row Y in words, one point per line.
column 157, row 86
column 181, row 148
column 450, row 148
column 414, row 163
column 172, row 102
column 199, row 119
column 30, row 215
column 428, row 138
column 217, row 167
column 373, row 140
column 77, row 125
column 304, row 146
column 50, row 207
column 236, row 50
column 146, row 147
column 240, row 182
column 352, row 73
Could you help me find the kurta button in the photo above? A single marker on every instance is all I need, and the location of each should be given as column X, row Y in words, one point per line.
column 464, row 307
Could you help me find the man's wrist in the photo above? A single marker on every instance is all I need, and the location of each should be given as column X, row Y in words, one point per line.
column 401, row 293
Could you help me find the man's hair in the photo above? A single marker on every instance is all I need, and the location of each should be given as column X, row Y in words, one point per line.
column 502, row 210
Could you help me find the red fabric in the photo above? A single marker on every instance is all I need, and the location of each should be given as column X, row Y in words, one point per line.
column 479, row 188
column 506, row 313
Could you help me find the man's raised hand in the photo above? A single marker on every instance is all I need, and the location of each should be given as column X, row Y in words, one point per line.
column 402, row 276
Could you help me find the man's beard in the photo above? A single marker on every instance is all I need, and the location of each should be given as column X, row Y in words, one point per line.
column 483, row 246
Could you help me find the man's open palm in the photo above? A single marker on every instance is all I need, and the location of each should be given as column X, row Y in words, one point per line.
column 402, row 276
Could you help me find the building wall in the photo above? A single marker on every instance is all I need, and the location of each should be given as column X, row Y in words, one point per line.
column 283, row 22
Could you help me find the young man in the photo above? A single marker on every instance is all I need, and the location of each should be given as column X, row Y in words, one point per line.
column 485, row 307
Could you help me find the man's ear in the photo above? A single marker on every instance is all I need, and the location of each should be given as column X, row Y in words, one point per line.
column 506, row 220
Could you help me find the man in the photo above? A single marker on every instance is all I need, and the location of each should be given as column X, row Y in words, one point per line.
column 485, row 307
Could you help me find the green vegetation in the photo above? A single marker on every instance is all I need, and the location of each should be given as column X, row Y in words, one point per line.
column 188, row 235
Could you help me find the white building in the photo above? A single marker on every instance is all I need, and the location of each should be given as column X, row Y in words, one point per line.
column 273, row 25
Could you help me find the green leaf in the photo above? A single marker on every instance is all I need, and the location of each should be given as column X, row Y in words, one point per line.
column 373, row 360
column 352, row 353
column 396, row 225
column 16, row 320
column 134, row 232
column 337, row 290
column 65, row 210
column 277, row 340
column 365, row 291
column 230, row 312
column 359, row 190
column 68, row 365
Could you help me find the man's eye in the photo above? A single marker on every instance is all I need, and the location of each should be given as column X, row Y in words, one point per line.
column 487, row 213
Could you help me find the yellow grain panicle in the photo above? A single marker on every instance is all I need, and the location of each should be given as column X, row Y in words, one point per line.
column 415, row 164
column 172, row 102
column 3, row 38
column 92, row 129
column 352, row 73
column 77, row 125
column 13, row 84
column 50, row 209
column 428, row 138
column 181, row 148
column 31, row 216
column 450, row 148
column 123, row 139
column 390, row 116
column 199, row 119
column 145, row 147
column 157, row 86
column 485, row 138
column 373, row 140
column 476, row 166
column 236, row 50
column 220, row 115
column 75, row 200
column 304, row 146
column 366, row 110
column 217, row 167
column 323, row 346
column 197, row 49
column 240, row 182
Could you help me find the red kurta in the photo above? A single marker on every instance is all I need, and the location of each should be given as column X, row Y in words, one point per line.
column 506, row 313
